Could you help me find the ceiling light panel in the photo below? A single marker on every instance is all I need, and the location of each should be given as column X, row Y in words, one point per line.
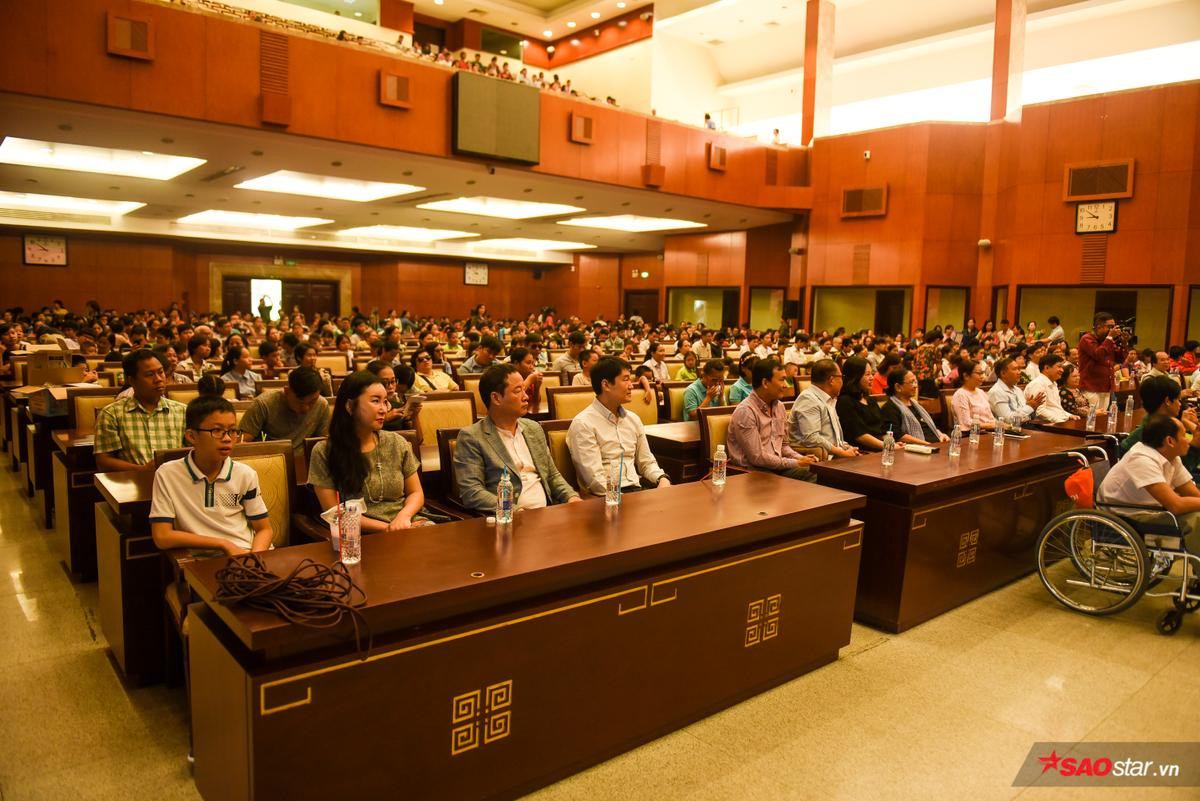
column 242, row 219
column 632, row 223
column 82, row 158
column 499, row 207
column 328, row 186
column 527, row 245
column 111, row 208
column 403, row 233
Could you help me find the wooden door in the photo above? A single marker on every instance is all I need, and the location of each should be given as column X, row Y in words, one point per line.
column 235, row 295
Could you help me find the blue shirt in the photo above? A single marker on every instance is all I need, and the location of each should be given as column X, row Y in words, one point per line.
column 693, row 398
column 739, row 391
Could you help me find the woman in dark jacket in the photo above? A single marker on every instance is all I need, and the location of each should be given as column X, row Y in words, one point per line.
column 862, row 422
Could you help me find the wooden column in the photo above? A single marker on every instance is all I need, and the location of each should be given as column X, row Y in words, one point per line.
column 818, row 70
column 1008, row 60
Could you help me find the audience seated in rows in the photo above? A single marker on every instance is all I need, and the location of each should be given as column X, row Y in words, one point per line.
column 757, row 434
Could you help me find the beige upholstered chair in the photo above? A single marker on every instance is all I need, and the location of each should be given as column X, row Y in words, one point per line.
column 714, row 426
column 648, row 412
column 675, row 391
column 470, row 383
column 445, row 410
column 83, row 404
column 556, row 438
column 186, row 392
column 335, row 363
column 566, row 402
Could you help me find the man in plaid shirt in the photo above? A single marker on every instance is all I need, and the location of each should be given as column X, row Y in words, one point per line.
column 129, row 431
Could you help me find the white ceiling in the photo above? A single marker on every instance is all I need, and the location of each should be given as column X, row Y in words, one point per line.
column 226, row 146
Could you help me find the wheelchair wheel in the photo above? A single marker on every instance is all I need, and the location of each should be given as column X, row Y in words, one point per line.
column 1092, row 562
column 1169, row 622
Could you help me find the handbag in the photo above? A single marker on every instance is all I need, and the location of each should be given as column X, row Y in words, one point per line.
column 1081, row 487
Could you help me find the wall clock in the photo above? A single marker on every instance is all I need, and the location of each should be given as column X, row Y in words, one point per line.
column 475, row 273
column 46, row 250
column 1098, row 217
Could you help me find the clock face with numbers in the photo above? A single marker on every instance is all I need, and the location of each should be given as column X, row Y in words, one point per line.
column 1099, row 217
column 41, row 249
column 475, row 274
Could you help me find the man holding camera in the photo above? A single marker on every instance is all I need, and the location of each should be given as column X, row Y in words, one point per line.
column 1099, row 351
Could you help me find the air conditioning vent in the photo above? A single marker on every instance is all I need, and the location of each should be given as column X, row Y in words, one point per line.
column 1098, row 180
column 868, row 201
column 1095, row 259
column 55, row 216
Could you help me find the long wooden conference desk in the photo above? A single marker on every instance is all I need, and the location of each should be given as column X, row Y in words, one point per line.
column 507, row 658
column 941, row 531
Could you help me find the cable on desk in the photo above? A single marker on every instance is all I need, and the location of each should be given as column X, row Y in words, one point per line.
column 313, row 594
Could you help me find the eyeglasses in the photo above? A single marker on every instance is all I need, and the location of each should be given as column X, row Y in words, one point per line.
column 425, row 358
column 220, row 433
column 388, row 382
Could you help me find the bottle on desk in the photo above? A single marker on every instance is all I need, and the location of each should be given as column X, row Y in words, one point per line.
column 974, row 437
column 504, row 500
column 612, row 483
column 1112, row 417
column 955, row 440
column 998, row 435
column 1129, row 409
column 1091, row 418
column 889, row 449
column 718, row 470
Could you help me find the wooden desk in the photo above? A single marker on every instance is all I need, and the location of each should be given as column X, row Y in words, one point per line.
column 1078, row 428
column 506, row 659
column 130, row 572
column 40, row 465
column 75, row 498
column 941, row 532
column 676, row 446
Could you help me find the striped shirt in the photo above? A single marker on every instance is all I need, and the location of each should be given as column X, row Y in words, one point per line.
column 128, row 430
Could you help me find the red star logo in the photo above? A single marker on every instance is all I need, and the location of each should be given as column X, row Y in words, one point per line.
column 1050, row 762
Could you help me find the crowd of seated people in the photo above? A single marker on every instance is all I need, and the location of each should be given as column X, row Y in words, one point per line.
column 798, row 396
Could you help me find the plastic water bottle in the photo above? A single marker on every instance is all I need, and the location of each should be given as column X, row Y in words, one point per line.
column 719, row 462
column 1091, row 418
column 1112, row 417
column 998, row 435
column 889, row 449
column 1014, row 423
column 1129, row 408
column 974, row 438
column 504, row 500
column 955, row 440
column 349, row 526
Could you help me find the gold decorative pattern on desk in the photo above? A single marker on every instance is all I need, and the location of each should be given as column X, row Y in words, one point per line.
column 968, row 546
column 762, row 619
column 481, row 717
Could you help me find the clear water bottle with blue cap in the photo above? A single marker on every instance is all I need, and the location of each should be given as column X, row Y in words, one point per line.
column 889, row 449
column 504, row 500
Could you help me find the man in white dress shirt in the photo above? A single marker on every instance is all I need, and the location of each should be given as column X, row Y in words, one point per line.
column 1005, row 396
column 1046, row 385
column 813, row 421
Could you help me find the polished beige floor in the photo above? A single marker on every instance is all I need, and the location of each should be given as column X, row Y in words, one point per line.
column 947, row 710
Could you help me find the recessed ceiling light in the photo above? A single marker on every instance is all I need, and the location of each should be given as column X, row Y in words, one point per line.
column 575, row 42
column 550, row 49
column 86, row 205
column 526, row 245
column 81, row 158
column 570, row 24
column 631, row 222
column 298, row 183
column 499, row 207
column 524, row 43
column 403, row 233
column 595, row 15
column 358, row 13
column 621, row 5
column 622, row 23
column 547, row 33
column 242, row 219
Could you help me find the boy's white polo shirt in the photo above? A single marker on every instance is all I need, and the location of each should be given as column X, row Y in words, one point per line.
column 224, row 508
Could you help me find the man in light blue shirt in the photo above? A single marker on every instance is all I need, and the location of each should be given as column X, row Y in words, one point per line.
column 706, row 391
column 1006, row 399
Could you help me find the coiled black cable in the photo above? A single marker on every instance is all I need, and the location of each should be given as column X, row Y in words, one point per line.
column 312, row 594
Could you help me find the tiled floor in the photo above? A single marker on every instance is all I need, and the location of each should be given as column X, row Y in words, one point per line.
column 947, row 710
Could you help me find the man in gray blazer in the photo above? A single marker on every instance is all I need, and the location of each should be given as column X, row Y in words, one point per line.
column 505, row 439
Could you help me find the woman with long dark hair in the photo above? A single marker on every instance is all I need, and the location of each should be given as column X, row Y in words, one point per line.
column 862, row 422
column 361, row 460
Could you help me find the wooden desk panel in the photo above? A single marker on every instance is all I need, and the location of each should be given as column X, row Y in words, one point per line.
column 626, row 636
column 75, row 497
column 1078, row 428
column 940, row 532
column 676, row 446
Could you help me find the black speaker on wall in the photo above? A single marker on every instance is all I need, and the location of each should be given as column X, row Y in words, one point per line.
column 791, row 309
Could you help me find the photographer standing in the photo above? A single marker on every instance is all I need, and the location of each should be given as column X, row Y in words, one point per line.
column 1098, row 353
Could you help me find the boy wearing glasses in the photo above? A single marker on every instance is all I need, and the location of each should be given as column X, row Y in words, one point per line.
column 206, row 501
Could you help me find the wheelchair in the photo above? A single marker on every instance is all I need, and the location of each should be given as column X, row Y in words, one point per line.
column 1098, row 562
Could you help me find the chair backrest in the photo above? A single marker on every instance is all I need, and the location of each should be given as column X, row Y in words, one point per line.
column 336, row 363
column 240, row 408
column 549, row 379
column 714, row 425
column 675, row 391
column 648, row 412
column 946, row 418
column 556, row 440
column 447, row 443
column 269, row 384
column 566, row 402
column 445, row 410
column 470, row 384
column 84, row 403
column 186, row 392
column 273, row 460
column 675, row 370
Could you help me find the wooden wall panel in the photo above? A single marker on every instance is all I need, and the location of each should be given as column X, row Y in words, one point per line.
column 231, row 73
column 174, row 82
column 23, row 52
column 77, row 65
column 599, row 286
